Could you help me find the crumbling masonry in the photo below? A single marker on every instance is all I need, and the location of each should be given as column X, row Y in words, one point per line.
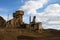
column 17, row 22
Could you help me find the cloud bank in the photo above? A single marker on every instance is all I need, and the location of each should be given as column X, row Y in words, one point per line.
column 31, row 6
column 50, row 17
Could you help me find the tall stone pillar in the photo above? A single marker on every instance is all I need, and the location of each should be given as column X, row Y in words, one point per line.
column 34, row 18
column 18, row 18
column 20, row 14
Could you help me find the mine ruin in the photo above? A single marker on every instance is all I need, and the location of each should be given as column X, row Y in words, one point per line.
column 17, row 22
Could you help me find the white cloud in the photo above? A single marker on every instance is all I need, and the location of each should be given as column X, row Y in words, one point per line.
column 4, row 16
column 54, row 22
column 31, row 6
column 52, row 13
column 26, row 19
column 53, row 10
column 50, row 17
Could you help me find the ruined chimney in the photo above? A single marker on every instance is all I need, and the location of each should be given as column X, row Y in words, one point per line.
column 34, row 18
column 30, row 19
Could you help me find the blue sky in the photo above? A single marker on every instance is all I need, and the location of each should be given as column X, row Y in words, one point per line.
column 13, row 5
column 42, row 10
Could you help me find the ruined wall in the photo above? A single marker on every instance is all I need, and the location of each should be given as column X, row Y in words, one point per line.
column 35, row 26
column 39, row 27
column 17, row 22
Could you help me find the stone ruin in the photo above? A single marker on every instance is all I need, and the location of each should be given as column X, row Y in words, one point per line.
column 35, row 26
column 17, row 22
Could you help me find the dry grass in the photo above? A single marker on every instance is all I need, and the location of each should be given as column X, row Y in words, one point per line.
column 12, row 34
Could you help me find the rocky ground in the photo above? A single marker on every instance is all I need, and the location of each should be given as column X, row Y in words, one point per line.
column 37, row 38
column 18, row 34
column 48, row 34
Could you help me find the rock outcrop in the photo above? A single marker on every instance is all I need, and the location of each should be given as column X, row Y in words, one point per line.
column 2, row 22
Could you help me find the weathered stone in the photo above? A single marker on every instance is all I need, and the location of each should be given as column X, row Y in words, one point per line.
column 2, row 22
column 17, row 20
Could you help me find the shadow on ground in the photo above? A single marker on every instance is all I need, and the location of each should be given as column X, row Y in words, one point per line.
column 26, row 38
column 37, row 38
